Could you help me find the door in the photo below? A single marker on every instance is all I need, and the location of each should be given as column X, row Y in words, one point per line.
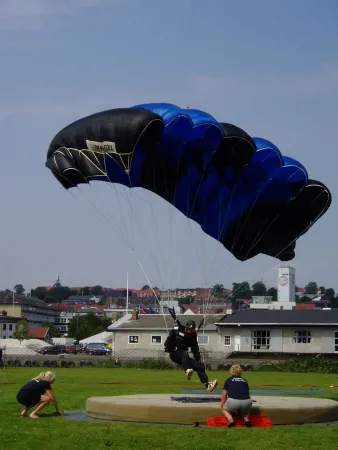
column 237, row 343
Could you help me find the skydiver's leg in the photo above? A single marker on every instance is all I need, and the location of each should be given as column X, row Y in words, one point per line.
column 182, row 357
column 199, row 367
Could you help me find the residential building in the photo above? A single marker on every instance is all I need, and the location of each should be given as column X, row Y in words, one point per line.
column 281, row 331
column 144, row 335
column 41, row 333
column 7, row 325
column 85, row 299
column 36, row 312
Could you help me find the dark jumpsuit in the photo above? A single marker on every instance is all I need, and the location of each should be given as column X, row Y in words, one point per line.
column 177, row 345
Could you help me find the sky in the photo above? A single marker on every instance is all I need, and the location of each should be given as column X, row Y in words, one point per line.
column 267, row 66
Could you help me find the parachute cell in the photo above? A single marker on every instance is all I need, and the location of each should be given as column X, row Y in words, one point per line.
column 241, row 190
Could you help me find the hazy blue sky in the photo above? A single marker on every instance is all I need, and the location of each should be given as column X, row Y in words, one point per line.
column 268, row 66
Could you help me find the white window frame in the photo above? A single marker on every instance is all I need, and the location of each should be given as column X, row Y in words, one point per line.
column 229, row 338
column 203, row 336
column 134, row 335
column 335, row 341
column 157, row 336
column 255, row 338
column 298, row 337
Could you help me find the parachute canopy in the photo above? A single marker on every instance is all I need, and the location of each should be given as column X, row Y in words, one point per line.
column 240, row 189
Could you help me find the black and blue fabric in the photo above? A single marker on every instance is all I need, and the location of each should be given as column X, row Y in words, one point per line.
column 241, row 190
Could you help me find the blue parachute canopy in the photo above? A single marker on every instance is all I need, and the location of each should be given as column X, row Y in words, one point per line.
column 241, row 190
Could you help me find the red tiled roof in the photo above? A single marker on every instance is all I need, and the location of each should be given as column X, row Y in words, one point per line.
column 38, row 333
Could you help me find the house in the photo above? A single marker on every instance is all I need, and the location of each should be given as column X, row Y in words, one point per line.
column 298, row 331
column 85, row 299
column 41, row 333
column 7, row 325
column 142, row 336
column 36, row 312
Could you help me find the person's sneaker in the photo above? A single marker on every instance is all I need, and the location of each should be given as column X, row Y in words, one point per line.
column 247, row 423
column 231, row 424
column 189, row 373
column 212, row 385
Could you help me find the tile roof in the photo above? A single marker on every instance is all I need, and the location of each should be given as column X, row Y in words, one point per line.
column 281, row 317
column 161, row 322
column 38, row 332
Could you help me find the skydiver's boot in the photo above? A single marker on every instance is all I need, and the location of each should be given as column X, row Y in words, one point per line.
column 211, row 385
column 189, row 373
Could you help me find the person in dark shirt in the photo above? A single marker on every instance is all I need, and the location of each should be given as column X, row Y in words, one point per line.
column 236, row 397
column 177, row 344
column 38, row 392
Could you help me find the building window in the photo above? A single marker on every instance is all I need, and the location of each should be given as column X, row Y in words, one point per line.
column 301, row 337
column 336, row 341
column 4, row 326
column 133, row 339
column 203, row 340
column 227, row 341
column 10, row 327
column 260, row 340
column 156, row 339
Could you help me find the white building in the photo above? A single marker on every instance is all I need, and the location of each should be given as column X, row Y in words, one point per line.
column 7, row 326
column 286, row 284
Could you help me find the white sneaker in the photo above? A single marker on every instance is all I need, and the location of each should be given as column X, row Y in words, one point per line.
column 189, row 373
column 212, row 385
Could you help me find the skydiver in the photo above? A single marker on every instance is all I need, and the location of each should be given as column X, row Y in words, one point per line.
column 177, row 344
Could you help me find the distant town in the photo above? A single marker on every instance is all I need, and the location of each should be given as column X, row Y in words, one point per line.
column 55, row 306
column 247, row 320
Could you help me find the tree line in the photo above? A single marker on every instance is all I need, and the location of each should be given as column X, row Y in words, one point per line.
column 242, row 290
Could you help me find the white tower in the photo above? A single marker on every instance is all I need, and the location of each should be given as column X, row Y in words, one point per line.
column 286, row 284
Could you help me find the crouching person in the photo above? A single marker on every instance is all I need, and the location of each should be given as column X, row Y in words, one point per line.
column 38, row 392
column 235, row 397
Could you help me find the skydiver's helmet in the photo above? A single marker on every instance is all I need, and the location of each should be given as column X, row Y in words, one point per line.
column 190, row 326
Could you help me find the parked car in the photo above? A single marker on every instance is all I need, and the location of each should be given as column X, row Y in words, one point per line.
column 97, row 349
column 53, row 350
column 71, row 349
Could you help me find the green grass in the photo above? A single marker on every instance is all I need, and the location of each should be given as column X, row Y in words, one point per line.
column 74, row 386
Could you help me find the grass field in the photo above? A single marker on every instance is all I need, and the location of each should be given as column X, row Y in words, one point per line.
column 74, row 386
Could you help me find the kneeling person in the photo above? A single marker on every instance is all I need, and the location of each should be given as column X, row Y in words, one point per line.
column 236, row 397
column 38, row 392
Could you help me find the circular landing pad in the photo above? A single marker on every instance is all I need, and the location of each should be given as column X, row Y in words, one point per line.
column 160, row 408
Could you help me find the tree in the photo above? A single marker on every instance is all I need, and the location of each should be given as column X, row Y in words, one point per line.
column 272, row 292
column 57, row 294
column 96, row 290
column 303, row 299
column 145, row 287
column 258, row 289
column 19, row 289
column 21, row 330
column 186, row 300
column 322, row 290
column 218, row 290
column 81, row 327
column 85, row 290
column 311, row 288
column 241, row 290
column 39, row 292
column 330, row 292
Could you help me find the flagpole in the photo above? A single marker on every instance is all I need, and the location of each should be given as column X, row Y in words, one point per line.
column 127, row 293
